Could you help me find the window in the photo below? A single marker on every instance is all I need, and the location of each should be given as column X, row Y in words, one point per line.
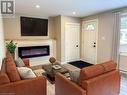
column 123, row 33
column 89, row 27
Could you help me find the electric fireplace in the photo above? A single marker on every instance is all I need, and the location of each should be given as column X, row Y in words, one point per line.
column 33, row 51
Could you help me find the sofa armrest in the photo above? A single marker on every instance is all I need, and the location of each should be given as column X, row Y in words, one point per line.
column 7, row 89
column 109, row 83
column 35, row 86
column 64, row 86
column 26, row 62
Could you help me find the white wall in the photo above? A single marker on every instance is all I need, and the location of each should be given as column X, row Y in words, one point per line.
column 2, row 47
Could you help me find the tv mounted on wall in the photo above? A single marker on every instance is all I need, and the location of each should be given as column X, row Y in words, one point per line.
column 34, row 26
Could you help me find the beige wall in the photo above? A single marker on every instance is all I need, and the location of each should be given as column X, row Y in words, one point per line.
column 13, row 31
column 105, row 30
column 2, row 46
column 57, row 28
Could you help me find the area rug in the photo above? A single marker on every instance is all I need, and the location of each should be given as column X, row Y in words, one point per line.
column 80, row 64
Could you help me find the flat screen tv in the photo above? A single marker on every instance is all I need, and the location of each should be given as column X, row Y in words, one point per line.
column 34, row 26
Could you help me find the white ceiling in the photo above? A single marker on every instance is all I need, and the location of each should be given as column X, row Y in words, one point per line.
column 66, row 7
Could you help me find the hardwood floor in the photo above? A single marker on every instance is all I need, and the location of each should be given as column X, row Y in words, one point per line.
column 123, row 89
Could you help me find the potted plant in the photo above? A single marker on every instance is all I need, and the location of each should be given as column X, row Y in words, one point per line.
column 11, row 46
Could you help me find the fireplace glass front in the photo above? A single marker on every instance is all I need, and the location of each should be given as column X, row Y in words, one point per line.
column 33, row 51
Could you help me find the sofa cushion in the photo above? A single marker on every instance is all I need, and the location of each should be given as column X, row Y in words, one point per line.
column 26, row 73
column 91, row 71
column 26, row 62
column 4, row 78
column 11, row 68
column 109, row 66
column 19, row 62
column 74, row 75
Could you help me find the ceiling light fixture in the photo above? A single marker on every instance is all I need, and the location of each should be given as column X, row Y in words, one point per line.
column 37, row 6
column 73, row 13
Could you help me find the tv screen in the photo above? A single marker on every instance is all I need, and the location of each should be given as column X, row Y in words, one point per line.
column 34, row 26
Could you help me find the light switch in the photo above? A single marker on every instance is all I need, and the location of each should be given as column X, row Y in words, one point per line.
column 103, row 38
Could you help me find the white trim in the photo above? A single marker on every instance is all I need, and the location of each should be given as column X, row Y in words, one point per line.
column 72, row 23
column 90, row 20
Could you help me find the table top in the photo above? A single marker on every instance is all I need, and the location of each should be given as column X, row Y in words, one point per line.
column 51, row 71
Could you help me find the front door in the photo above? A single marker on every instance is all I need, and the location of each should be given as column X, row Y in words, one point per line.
column 89, row 41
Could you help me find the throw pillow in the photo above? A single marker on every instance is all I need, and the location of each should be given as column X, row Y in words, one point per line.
column 19, row 62
column 74, row 76
column 26, row 73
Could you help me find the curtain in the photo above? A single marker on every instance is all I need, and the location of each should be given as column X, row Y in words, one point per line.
column 116, row 37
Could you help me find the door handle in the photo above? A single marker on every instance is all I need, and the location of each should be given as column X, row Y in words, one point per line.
column 76, row 45
column 94, row 45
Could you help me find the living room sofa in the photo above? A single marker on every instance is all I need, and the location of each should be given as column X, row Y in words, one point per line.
column 100, row 79
column 12, row 84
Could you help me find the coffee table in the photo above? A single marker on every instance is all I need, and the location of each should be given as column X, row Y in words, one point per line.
column 50, row 71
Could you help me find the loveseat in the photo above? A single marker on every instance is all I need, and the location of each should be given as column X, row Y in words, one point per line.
column 100, row 79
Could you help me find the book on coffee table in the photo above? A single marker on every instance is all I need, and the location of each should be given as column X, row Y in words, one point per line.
column 56, row 67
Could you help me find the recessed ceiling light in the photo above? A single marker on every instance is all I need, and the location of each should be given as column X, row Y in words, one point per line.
column 37, row 6
column 73, row 13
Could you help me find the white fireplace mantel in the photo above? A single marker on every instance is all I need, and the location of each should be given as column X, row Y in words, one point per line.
column 37, row 60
